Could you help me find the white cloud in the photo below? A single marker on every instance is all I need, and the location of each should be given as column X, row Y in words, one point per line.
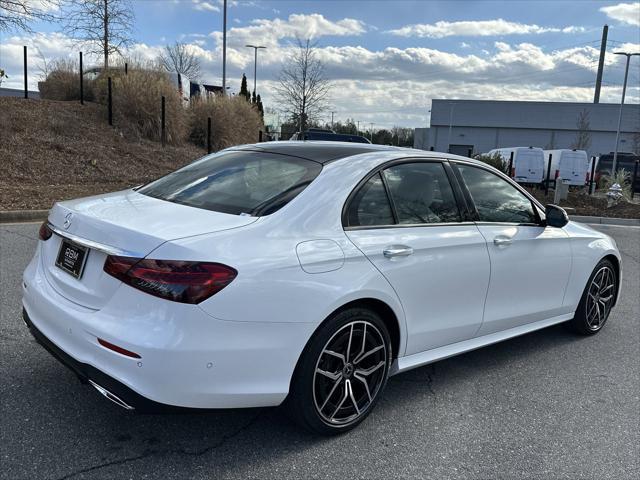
column 476, row 28
column 628, row 13
column 269, row 31
column 204, row 5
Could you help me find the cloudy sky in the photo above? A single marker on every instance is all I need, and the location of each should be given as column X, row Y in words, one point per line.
column 386, row 59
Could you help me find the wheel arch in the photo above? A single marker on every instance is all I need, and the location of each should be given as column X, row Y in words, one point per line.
column 616, row 264
column 387, row 314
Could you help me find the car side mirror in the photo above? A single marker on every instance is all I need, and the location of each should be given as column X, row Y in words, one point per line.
column 556, row 216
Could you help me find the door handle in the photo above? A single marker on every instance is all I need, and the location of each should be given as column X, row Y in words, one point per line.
column 502, row 241
column 397, row 251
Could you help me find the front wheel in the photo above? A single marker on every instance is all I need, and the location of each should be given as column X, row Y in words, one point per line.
column 341, row 372
column 597, row 300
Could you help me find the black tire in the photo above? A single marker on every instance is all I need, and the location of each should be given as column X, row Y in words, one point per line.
column 309, row 388
column 590, row 319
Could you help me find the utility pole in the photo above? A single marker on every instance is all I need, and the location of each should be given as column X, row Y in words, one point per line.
column 371, row 129
column 255, row 65
column 358, row 132
column 224, row 48
column 603, row 51
column 624, row 91
column 332, row 120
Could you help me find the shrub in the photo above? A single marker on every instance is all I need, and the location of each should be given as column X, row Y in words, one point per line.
column 63, row 82
column 136, row 100
column 234, row 121
column 622, row 178
column 495, row 161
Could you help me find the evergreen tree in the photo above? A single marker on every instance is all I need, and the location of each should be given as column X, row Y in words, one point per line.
column 244, row 92
column 253, row 98
column 260, row 107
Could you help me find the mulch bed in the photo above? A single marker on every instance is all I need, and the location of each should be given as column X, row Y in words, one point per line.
column 591, row 205
column 54, row 151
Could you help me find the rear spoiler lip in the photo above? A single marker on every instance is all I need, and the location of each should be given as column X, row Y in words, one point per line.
column 102, row 247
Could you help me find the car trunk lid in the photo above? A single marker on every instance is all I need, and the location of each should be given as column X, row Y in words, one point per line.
column 123, row 223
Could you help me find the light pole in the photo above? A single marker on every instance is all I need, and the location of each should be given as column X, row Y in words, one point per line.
column 255, row 64
column 371, row 127
column 624, row 91
column 332, row 120
column 224, row 48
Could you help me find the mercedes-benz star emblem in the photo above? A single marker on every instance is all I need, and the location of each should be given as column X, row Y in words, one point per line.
column 67, row 220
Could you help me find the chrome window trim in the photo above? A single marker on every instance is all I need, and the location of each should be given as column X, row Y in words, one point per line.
column 101, row 247
column 407, row 225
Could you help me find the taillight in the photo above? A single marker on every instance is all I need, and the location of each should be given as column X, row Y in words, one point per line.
column 179, row 281
column 45, row 232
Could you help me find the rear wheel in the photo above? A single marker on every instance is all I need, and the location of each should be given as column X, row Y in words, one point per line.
column 597, row 300
column 341, row 373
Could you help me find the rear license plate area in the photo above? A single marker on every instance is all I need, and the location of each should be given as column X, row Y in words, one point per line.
column 72, row 258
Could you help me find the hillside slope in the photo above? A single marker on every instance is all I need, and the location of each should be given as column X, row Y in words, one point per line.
column 59, row 150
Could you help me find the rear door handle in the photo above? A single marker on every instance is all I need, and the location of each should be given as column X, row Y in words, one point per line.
column 502, row 241
column 397, row 251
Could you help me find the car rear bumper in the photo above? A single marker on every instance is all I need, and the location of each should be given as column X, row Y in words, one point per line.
column 187, row 357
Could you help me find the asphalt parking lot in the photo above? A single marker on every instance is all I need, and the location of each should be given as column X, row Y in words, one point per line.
column 545, row 405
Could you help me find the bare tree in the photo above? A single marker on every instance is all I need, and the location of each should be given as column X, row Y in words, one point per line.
column 18, row 14
column 103, row 27
column 180, row 58
column 582, row 141
column 302, row 87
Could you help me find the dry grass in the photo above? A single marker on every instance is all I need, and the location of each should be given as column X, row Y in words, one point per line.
column 233, row 121
column 137, row 100
column 59, row 150
column 63, row 83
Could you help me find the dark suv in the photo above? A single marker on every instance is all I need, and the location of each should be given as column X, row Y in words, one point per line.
column 625, row 161
column 328, row 135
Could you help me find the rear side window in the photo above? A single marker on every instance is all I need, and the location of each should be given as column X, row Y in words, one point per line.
column 496, row 200
column 246, row 182
column 421, row 193
column 370, row 205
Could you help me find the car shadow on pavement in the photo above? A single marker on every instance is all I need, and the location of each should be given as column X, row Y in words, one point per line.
column 88, row 435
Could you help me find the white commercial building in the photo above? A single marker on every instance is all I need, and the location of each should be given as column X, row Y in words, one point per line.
column 460, row 126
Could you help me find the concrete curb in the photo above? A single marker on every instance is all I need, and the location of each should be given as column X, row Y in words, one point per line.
column 629, row 222
column 15, row 216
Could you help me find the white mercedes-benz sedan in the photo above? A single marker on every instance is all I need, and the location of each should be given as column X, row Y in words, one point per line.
column 305, row 272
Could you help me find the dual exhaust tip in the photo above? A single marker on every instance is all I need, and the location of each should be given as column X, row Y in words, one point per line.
column 111, row 396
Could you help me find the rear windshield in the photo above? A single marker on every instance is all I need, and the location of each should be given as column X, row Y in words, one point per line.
column 241, row 182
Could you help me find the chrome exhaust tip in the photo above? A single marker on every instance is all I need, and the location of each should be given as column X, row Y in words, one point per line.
column 114, row 398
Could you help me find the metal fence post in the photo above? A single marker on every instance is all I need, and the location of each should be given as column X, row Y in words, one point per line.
column 109, row 102
column 431, row 148
column 546, row 186
column 208, row 134
column 259, row 136
column 510, row 172
column 163, row 132
column 470, row 152
column 26, row 90
column 592, row 175
column 634, row 179
column 81, row 82
column 126, row 68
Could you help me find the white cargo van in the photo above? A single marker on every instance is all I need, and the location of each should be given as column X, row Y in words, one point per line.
column 528, row 163
column 572, row 166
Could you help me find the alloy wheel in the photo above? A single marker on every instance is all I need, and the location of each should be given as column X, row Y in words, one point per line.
column 349, row 372
column 600, row 297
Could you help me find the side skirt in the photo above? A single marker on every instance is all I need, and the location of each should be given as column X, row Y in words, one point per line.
column 416, row 360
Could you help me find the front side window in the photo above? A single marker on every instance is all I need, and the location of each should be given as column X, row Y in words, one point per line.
column 241, row 182
column 496, row 199
column 421, row 193
column 370, row 205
